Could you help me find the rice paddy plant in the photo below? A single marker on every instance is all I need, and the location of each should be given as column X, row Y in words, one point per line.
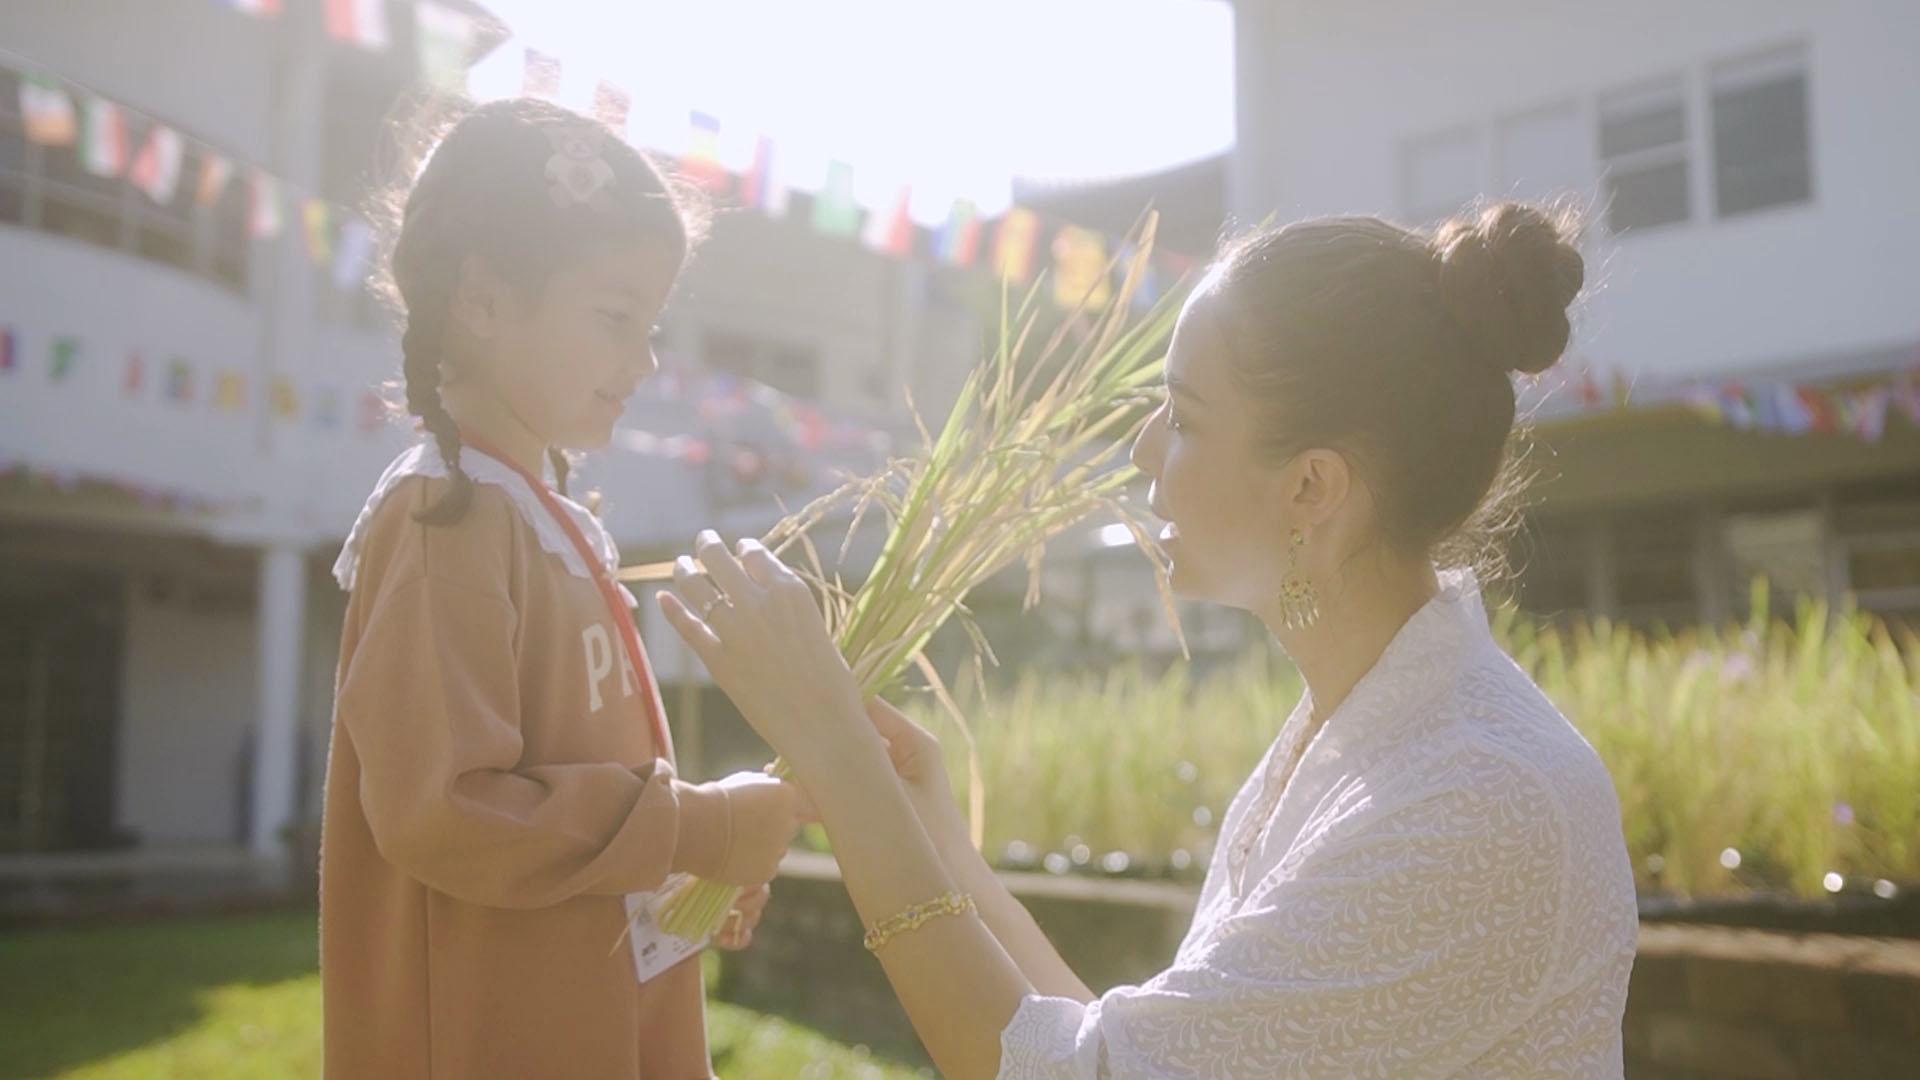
column 1775, row 754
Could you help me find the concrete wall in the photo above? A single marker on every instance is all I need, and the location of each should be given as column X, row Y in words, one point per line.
column 1704, row 1002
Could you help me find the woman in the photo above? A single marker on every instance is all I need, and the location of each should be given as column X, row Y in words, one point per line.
column 1426, row 875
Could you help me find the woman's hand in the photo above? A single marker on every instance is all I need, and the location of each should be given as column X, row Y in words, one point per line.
column 922, row 767
column 736, row 932
column 754, row 624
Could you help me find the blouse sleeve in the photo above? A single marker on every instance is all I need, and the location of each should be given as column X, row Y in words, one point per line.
column 1405, row 945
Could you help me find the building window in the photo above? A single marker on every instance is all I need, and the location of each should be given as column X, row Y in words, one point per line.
column 788, row 368
column 1760, row 156
column 1543, row 154
column 1440, row 174
column 1643, row 149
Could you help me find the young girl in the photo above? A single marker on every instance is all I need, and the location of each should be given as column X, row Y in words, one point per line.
column 1426, row 875
column 501, row 771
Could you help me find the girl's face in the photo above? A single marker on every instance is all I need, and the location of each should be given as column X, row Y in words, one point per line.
column 1226, row 507
column 565, row 363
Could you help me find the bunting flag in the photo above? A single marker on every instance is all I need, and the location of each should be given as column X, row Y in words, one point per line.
column 443, row 43
column 541, row 76
column 179, row 380
column 358, row 22
column 230, row 391
column 351, row 254
column 215, row 171
column 834, row 211
column 255, row 7
column 326, row 407
column 1013, row 243
column 314, row 216
column 1147, row 291
column 103, row 138
column 891, row 232
column 7, row 353
column 611, row 106
column 1906, row 393
column 701, row 161
column 1870, row 413
column 761, row 187
column 264, row 216
column 135, row 376
column 286, row 400
column 47, row 112
column 156, row 168
column 959, row 240
column 66, row 356
column 1080, row 268
column 373, row 413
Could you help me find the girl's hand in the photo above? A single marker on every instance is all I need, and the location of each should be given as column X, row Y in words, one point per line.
column 922, row 767
column 753, row 622
column 736, row 932
column 763, row 814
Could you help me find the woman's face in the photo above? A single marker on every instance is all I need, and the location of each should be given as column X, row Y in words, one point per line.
column 1224, row 504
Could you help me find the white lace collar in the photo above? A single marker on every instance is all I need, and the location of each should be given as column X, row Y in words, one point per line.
column 423, row 459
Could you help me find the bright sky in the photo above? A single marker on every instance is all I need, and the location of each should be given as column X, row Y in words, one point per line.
column 954, row 97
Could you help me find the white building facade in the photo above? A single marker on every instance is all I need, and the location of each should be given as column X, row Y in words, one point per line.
column 1746, row 169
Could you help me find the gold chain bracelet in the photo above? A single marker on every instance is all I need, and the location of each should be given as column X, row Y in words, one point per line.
column 954, row 903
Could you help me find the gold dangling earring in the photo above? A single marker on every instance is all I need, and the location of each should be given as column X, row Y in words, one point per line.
column 1299, row 603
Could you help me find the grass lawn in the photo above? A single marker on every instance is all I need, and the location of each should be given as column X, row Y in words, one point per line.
column 239, row 998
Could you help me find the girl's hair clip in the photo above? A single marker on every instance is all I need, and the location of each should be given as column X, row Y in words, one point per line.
column 577, row 174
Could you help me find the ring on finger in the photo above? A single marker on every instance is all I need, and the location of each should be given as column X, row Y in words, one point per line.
column 707, row 609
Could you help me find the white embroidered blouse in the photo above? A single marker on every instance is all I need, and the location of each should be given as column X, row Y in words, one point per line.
column 1440, row 889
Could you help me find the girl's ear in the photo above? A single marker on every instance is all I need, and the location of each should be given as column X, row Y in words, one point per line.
column 479, row 299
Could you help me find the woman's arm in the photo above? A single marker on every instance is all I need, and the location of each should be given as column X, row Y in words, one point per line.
column 765, row 646
column 956, row 982
column 917, row 759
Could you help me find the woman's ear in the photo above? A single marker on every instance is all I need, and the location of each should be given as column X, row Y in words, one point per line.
column 1315, row 485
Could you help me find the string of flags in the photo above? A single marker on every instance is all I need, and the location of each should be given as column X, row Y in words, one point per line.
column 1859, row 409
column 731, row 411
column 184, row 381
column 445, row 37
column 720, row 403
column 1784, row 407
column 102, row 135
column 1080, row 256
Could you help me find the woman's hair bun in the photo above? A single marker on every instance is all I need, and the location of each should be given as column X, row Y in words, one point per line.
column 1508, row 274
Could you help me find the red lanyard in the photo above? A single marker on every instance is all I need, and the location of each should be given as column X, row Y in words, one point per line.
column 616, row 600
